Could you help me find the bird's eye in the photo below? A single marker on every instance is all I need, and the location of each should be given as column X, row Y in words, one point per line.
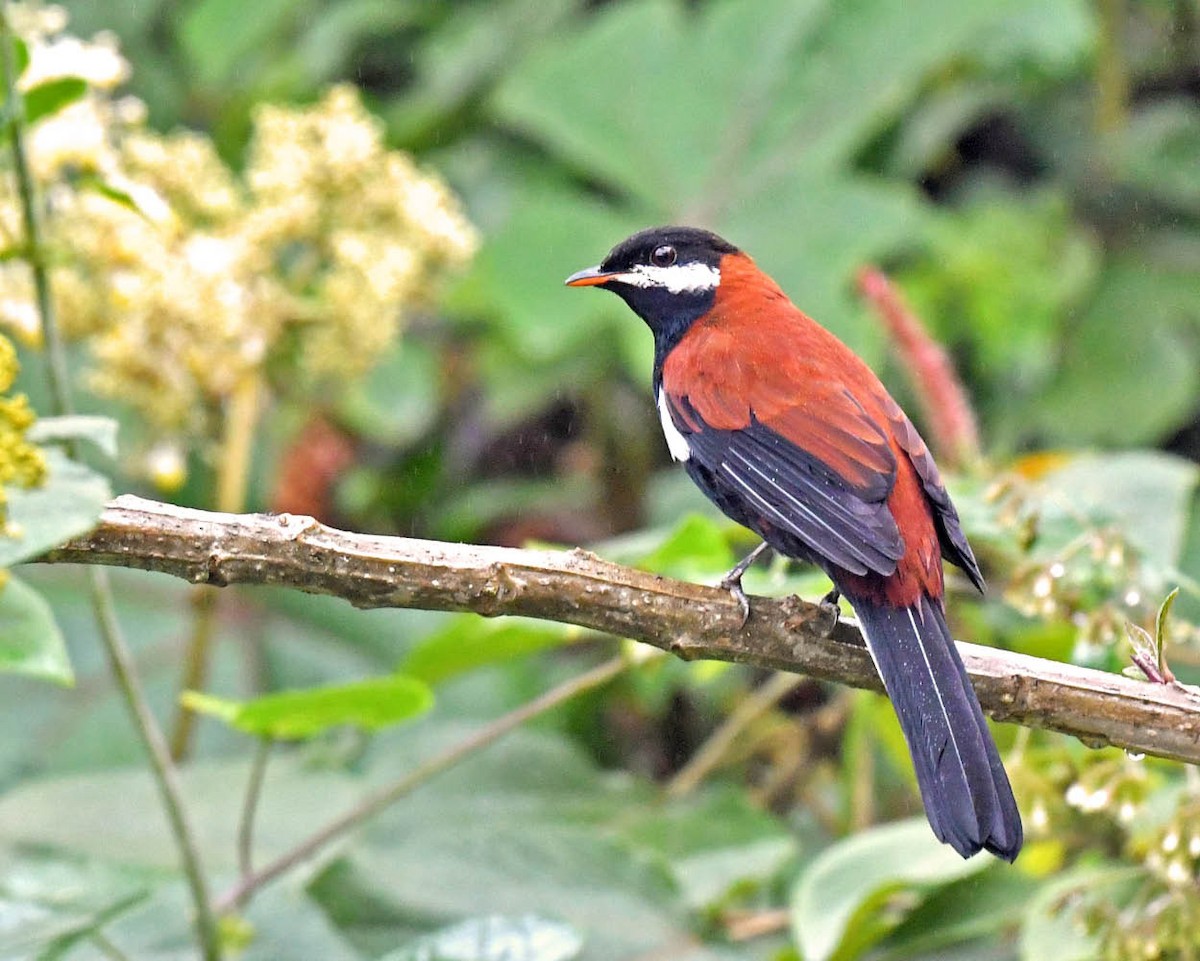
column 663, row 256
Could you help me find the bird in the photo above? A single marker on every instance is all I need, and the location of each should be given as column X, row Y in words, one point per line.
column 790, row 434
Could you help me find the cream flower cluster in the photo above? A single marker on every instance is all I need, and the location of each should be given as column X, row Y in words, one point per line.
column 183, row 276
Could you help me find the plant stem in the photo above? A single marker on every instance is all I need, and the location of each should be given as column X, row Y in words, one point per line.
column 106, row 947
column 233, row 472
column 376, row 802
column 120, row 662
column 117, row 651
column 56, row 353
column 711, row 753
column 258, row 771
column 1112, row 74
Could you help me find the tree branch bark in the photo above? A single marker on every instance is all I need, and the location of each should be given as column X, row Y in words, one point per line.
column 576, row 587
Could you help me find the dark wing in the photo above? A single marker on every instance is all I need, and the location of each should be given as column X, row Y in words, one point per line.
column 950, row 534
column 821, row 473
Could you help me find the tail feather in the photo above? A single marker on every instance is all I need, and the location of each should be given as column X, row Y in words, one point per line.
column 964, row 787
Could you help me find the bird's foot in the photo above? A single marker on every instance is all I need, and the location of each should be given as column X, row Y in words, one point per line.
column 732, row 581
column 830, row 610
column 734, row 586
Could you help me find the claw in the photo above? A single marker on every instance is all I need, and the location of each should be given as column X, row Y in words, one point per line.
column 734, row 586
column 732, row 581
column 830, row 608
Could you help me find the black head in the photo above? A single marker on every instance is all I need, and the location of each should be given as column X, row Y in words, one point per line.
column 667, row 275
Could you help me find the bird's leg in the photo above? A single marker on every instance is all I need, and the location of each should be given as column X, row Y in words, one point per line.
column 732, row 581
column 829, row 607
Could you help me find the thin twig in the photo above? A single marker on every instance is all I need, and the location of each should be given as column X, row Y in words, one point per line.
column 33, row 251
column 166, row 776
column 117, row 651
column 576, row 587
column 258, row 771
column 196, row 656
column 721, row 741
column 233, row 473
column 1112, row 71
column 386, row 796
column 105, row 946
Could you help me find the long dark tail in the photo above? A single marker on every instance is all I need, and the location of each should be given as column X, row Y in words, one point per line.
column 967, row 796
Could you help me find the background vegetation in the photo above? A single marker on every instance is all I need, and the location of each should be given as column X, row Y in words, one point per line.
column 340, row 293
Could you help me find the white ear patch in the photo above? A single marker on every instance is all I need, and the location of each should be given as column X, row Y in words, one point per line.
column 676, row 443
column 691, row 278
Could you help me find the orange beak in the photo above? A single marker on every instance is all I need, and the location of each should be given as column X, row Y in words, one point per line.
column 591, row 277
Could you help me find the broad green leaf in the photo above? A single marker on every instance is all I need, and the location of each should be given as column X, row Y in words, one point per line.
column 281, row 921
column 1159, row 150
column 49, row 97
column 67, row 505
column 713, row 842
column 371, row 705
column 469, row 642
column 50, row 904
column 738, row 122
column 467, row 54
column 30, row 640
column 101, row 432
column 398, row 400
column 524, row 938
column 1146, row 494
column 1046, row 39
column 219, row 35
column 996, row 281
column 543, row 320
column 1053, row 928
column 1126, row 383
column 983, row 905
column 697, row 545
column 838, row 904
column 530, row 825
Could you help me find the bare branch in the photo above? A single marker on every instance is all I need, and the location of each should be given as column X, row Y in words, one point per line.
column 576, row 587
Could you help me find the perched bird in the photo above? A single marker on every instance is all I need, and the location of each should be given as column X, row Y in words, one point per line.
column 790, row 434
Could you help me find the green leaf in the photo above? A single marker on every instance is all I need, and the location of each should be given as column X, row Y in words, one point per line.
column 49, row 97
column 981, row 906
column 713, row 842
column 398, row 400
column 1123, row 383
column 542, row 319
column 371, row 705
column 51, row 904
column 30, row 640
column 839, row 902
column 101, row 432
column 465, row 56
column 112, row 192
column 1053, row 928
column 496, row 938
column 766, row 135
column 696, row 546
column 218, row 36
column 67, row 505
column 996, row 280
column 469, row 642
column 1147, row 495
column 1158, row 151
column 528, row 825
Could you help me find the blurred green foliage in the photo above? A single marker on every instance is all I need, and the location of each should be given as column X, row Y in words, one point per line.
column 1029, row 173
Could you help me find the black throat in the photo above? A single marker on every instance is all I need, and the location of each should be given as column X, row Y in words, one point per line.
column 669, row 316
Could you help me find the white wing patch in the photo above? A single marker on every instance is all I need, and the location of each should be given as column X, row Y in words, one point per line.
column 676, row 443
column 677, row 279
